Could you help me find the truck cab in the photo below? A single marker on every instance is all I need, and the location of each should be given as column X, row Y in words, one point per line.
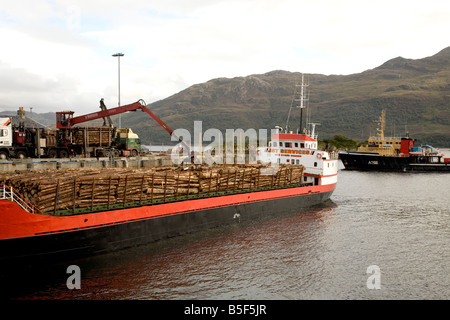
column 129, row 141
column 6, row 137
column 64, row 119
column 12, row 140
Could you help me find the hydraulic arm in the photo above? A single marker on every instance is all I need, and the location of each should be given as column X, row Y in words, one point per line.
column 65, row 119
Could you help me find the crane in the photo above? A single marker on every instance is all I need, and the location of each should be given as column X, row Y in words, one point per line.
column 66, row 120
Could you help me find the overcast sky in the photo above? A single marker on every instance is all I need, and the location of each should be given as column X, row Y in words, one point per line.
column 57, row 54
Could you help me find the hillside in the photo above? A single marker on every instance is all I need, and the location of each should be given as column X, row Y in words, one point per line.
column 415, row 94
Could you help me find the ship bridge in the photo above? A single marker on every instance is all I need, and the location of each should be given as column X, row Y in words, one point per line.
column 290, row 140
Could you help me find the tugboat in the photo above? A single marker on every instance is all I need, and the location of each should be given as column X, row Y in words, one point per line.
column 394, row 154
column 301, row 148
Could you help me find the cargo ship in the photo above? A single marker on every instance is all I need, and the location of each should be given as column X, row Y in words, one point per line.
column 394, row 154
column 72, row 231
column 62, row 214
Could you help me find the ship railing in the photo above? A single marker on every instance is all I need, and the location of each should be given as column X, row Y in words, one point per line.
column 10, row 194
column 334, row 155
column 385, row 138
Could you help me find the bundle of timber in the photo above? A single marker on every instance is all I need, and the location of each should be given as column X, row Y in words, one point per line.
column 93, row 136
column 70, row 189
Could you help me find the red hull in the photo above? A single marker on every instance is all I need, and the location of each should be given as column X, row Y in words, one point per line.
column 17, row 223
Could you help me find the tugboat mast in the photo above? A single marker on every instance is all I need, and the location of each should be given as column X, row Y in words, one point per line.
column 382, row 124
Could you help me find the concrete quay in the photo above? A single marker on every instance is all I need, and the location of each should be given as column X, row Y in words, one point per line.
column 55, row 164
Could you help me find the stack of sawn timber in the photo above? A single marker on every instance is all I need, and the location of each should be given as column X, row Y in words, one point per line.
column 69, row 189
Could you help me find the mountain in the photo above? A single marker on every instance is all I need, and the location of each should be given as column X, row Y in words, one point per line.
column 415, row 94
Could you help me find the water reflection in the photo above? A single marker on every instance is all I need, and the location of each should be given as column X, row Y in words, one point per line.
column 399, row 222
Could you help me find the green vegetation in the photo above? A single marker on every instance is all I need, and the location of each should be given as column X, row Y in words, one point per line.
column 339, row 142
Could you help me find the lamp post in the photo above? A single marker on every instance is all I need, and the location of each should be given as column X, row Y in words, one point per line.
column 118, row 55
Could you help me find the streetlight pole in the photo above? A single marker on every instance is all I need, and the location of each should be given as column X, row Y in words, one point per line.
column 118, row 55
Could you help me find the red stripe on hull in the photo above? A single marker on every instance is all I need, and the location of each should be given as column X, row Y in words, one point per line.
column 15, row 222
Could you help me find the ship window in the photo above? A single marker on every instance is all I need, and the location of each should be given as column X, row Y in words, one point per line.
column 274, row 144
column 315, row 164
column 302, row 145
column 305, row 179
column 288, row 144
column 296, row 144
column 281, row 144
column 1, row 132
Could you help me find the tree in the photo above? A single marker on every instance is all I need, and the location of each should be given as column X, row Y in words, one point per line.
column 340, row 142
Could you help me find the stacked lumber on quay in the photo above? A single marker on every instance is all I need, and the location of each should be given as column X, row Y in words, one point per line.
column 72, row 189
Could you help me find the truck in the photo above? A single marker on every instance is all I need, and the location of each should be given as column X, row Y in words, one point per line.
column 68, row 140
column 17, row 141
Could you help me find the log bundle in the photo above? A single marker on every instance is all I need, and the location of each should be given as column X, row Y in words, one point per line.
column 93, row 136
column 71, row 189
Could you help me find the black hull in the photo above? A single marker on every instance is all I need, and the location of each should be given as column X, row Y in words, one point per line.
column 88, row 242
column 375, row 162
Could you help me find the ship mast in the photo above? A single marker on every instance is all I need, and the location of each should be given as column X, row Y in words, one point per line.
column 300, row 99
column 382, row 125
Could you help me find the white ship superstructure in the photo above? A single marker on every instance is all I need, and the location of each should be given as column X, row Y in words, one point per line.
column 301, row 148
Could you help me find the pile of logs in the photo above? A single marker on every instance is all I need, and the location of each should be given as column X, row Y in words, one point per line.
column 69, row 189
column 93, row 136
